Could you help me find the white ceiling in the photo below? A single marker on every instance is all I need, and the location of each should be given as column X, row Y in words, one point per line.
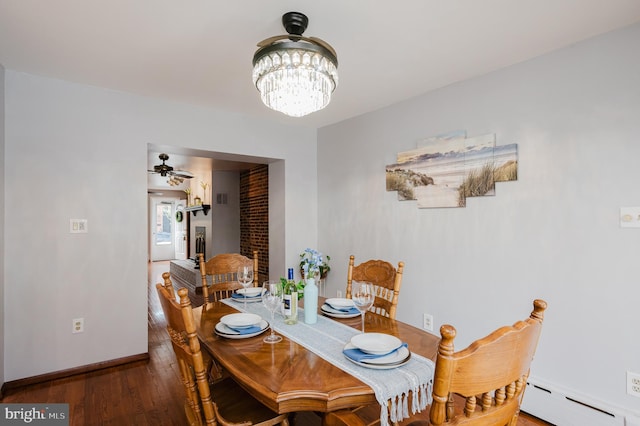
column 200, row 51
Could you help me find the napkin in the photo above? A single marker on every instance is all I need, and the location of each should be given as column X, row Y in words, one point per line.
column 242, row 296
column 247, row 330
column 349, row 310
column 359, row 356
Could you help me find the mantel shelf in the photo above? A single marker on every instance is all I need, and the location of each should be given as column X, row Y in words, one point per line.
column 200, row 207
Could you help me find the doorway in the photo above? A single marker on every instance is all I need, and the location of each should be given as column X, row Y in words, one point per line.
column 162, row 228
column 206, row 166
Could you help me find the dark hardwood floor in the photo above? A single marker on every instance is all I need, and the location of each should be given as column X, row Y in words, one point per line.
column 140, row 393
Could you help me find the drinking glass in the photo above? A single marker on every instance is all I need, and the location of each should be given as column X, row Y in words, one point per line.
column 272, row 294
column 245, row 277
column 362, row 297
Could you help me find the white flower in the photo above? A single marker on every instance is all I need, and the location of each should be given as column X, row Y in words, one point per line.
column 312, row 262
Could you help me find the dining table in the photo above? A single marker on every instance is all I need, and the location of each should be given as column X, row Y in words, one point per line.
column 287, row 376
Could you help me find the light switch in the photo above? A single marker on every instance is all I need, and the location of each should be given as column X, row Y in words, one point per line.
column 78, row 226
column 630, row 217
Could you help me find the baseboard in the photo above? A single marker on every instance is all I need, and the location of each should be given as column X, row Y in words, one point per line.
column 14, row 384
column 561, row 406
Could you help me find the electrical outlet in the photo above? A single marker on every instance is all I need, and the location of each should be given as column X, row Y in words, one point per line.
column 427, row 322
column 633, row 384
column 78, row 325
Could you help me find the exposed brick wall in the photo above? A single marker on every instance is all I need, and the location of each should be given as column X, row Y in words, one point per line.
column 254, row 216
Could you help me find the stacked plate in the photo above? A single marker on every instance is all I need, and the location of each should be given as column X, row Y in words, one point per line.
column 251, row 294
column 377, row 350
column 339, row 308
column 240, row 326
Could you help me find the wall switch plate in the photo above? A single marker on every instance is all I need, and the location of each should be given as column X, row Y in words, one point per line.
column 427, row 322
column 78, row 226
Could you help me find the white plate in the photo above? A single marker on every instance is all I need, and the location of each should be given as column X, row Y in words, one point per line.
column 240, row 320
column 340, row 302
column 329, row 311
column 224, row 331
column 249, row 291
column 242, row 299
column 376, row 343
column 394, row 360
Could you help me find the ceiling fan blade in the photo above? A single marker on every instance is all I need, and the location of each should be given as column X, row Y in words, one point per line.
column 182, row 173
column 270, row 40
column 324, row 44
column 167, row 170
column 293, row 37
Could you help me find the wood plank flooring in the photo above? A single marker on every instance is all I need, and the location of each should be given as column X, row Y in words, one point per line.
column 140, row 393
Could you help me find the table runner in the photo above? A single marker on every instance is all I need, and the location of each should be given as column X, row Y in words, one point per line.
column 327, row 339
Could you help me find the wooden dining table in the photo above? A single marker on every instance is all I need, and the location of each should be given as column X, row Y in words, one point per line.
column 286, row 376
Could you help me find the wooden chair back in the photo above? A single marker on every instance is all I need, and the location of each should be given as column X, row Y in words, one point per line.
column 224, row 404
column 222, row 269
column 182, row 331
column 167, row 284
column 490, row 374
column 386, row 280
column 487, row 379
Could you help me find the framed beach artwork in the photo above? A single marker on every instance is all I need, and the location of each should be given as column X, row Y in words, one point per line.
column 443, row 171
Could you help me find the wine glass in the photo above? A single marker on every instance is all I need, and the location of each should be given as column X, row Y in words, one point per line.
column 245, row 277
column 363, row 297
column 272, row 294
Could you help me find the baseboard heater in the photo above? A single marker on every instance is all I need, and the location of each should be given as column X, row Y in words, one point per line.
column 562, row 408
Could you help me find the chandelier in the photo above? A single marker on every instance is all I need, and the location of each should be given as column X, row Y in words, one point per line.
column 294, row 74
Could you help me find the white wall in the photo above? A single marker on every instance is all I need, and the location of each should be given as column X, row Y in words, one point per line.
column 75, row 151
column 552, row 234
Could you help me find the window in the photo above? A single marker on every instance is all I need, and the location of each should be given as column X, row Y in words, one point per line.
column 163, row 224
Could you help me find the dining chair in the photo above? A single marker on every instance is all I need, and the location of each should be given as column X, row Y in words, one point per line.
column 167, row 284
column 223, row 403
column 487, row 379
column 386, row 280
column 223, row 269
column 215, row 371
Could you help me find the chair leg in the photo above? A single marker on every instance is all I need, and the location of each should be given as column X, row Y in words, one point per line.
column 342, row 418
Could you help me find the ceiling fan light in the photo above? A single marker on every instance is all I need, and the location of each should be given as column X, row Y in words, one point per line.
column 175, row 180
column 296, row 76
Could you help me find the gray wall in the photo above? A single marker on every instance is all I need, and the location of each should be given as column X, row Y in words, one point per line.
column 554, row 233
column 2, row 204
column 225, row 217
column 222, row 223
column 76, row 151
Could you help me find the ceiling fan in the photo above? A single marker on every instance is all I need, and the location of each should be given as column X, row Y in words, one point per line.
column 175, row 176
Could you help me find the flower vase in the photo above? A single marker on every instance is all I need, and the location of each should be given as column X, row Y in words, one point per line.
column 310, row 301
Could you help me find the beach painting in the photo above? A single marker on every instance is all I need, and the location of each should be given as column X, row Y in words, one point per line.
column 443, row 171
